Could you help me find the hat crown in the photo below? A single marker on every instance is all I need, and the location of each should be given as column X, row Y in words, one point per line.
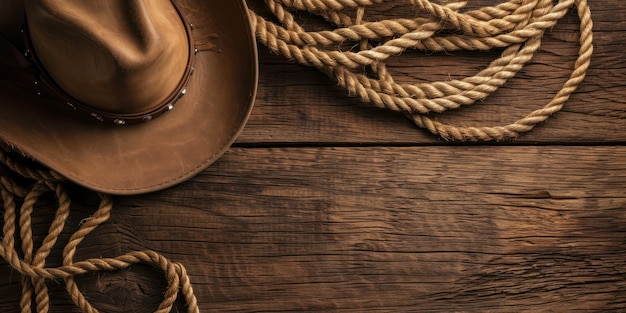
column 118, row 56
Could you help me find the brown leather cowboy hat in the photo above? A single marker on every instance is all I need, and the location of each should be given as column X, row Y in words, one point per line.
column 125, row 96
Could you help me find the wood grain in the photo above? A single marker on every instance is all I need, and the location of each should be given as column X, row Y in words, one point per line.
column 298, row 104
column 378, row 229
column 326, row 204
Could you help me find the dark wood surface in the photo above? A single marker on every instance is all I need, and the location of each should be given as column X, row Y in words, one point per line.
column 326, row 204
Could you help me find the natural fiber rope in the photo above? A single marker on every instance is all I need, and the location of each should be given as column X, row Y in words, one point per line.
column 33, row 264
column 516, row 25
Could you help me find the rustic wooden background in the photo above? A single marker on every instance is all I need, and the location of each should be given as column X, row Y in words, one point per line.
column 326, row 204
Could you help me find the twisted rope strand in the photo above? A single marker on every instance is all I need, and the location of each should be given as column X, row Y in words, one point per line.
column 292, row 33
column 364, row 88
column 515, row 25
column 38, row 259
column 526, row 123
column 421, row 38
column 336, row 5
column 32, row 266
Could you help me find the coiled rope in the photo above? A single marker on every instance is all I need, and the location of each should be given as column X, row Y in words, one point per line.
column 516, row 25
column 32, row 266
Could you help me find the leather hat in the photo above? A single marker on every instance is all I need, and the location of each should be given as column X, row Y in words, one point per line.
column 125, row 96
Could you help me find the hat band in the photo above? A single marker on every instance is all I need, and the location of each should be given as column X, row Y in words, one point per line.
column 31, row 75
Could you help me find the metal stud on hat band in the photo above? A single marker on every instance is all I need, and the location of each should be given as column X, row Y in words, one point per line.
column 44, row 85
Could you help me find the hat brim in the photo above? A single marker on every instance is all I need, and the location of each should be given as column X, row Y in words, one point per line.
column 154, row 155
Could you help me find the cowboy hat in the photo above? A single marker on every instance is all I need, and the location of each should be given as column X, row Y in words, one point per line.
column 125, row 96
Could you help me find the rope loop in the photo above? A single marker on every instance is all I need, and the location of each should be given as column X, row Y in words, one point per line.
column 517, row 26
column 32, row 266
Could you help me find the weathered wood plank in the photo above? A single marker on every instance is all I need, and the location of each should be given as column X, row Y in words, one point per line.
column 428, row 229
column 380, row 229
column 298, row 104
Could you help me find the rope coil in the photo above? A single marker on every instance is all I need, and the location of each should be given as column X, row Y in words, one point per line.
column 516, row 25
column 32, row 265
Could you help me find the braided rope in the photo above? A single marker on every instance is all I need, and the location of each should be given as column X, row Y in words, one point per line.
column 516, row 25
column 32, row 266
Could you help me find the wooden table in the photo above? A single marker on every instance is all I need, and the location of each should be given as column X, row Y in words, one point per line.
column 327, row 204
